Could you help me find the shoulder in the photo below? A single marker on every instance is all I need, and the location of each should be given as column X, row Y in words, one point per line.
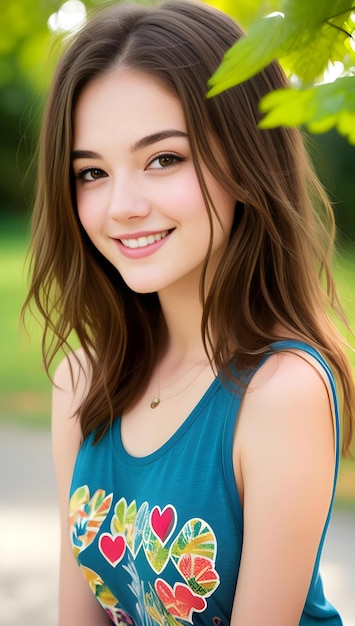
column 72, row 369
column 286, row 415
column 71, row 382
column 286, row 373
column 289, row 388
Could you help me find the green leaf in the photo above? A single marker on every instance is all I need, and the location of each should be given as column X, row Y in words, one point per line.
column 320, row 108
column 315, row 13
column 304, row 40
column 286, row 107
column 320, row 44
column 247, row 57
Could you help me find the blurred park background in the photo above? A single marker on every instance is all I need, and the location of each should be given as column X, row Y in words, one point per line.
column 30, row 39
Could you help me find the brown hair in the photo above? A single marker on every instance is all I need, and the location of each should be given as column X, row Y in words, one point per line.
column 282, row 238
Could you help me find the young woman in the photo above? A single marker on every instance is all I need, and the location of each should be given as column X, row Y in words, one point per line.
column 196, row 431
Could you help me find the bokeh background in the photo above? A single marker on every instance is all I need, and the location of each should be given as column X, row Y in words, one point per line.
column 31, row 34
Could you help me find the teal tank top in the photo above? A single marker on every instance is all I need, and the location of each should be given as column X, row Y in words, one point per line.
column 159, row 538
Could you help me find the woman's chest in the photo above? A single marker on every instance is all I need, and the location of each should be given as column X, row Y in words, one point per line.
column 157, row 538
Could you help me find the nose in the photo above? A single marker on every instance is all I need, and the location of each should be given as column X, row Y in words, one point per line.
column 127, row 198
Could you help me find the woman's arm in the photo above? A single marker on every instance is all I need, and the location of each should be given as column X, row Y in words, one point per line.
column 284, row 449
column 77, row 604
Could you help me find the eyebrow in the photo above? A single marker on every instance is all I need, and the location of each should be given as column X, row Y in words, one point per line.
column 84, row 154
column 155, row 137
column 138, row 145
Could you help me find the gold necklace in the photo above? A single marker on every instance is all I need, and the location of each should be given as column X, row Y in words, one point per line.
column 157, row 399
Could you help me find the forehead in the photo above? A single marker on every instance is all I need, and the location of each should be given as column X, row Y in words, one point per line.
column 125, row 103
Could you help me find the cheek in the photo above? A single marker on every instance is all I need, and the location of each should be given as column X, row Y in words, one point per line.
column 86, row 221
column 180, row 193
column 223, row 202
column 225, row 206
column 88, row 213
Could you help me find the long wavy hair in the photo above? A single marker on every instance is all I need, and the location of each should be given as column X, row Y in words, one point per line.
column 276, row 269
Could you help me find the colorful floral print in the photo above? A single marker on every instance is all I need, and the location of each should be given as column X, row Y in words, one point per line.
column 151, row 530
column 86, row 516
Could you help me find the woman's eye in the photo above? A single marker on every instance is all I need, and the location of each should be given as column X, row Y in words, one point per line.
column 164, row 161
column 90, row 174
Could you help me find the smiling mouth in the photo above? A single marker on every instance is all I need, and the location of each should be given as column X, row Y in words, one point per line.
column 143, row 242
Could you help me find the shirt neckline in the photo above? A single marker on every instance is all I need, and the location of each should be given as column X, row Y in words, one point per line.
column 129, row 459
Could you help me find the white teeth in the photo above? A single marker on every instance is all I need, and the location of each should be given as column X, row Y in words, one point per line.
column 142, row 242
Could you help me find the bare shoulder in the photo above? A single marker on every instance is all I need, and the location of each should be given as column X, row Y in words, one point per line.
column 288, row 365
column 71, row 384
column 73, row 373
column 287, row 379
column 286, row 415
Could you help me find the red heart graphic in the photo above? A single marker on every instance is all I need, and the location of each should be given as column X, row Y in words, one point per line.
column 163, row 522
column 112, row 547
column 180, row 601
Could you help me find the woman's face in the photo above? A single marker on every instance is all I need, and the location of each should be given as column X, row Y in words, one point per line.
column 138, row 196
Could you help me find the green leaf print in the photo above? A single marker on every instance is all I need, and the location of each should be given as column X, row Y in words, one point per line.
column 139, row 525
column 156, row 553
column 119, row 519
column 86, row 516
column 129, row 522
column 196, row 537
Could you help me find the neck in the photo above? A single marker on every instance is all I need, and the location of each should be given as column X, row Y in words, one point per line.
column 182, row 312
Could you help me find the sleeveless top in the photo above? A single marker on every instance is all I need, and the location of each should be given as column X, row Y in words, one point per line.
column 159, row 538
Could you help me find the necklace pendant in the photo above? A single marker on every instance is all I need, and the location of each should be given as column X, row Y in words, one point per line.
column 154, row 403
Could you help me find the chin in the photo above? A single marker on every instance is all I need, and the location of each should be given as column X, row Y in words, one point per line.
column 143, row 290
column 145, row 283
column 142, row 287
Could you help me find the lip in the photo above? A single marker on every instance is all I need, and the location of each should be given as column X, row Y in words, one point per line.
column 141, row 252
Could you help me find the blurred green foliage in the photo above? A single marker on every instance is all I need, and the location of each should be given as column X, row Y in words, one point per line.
column 245, row 11
column 313, row 44
column 24, row 44
column 28, row 53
